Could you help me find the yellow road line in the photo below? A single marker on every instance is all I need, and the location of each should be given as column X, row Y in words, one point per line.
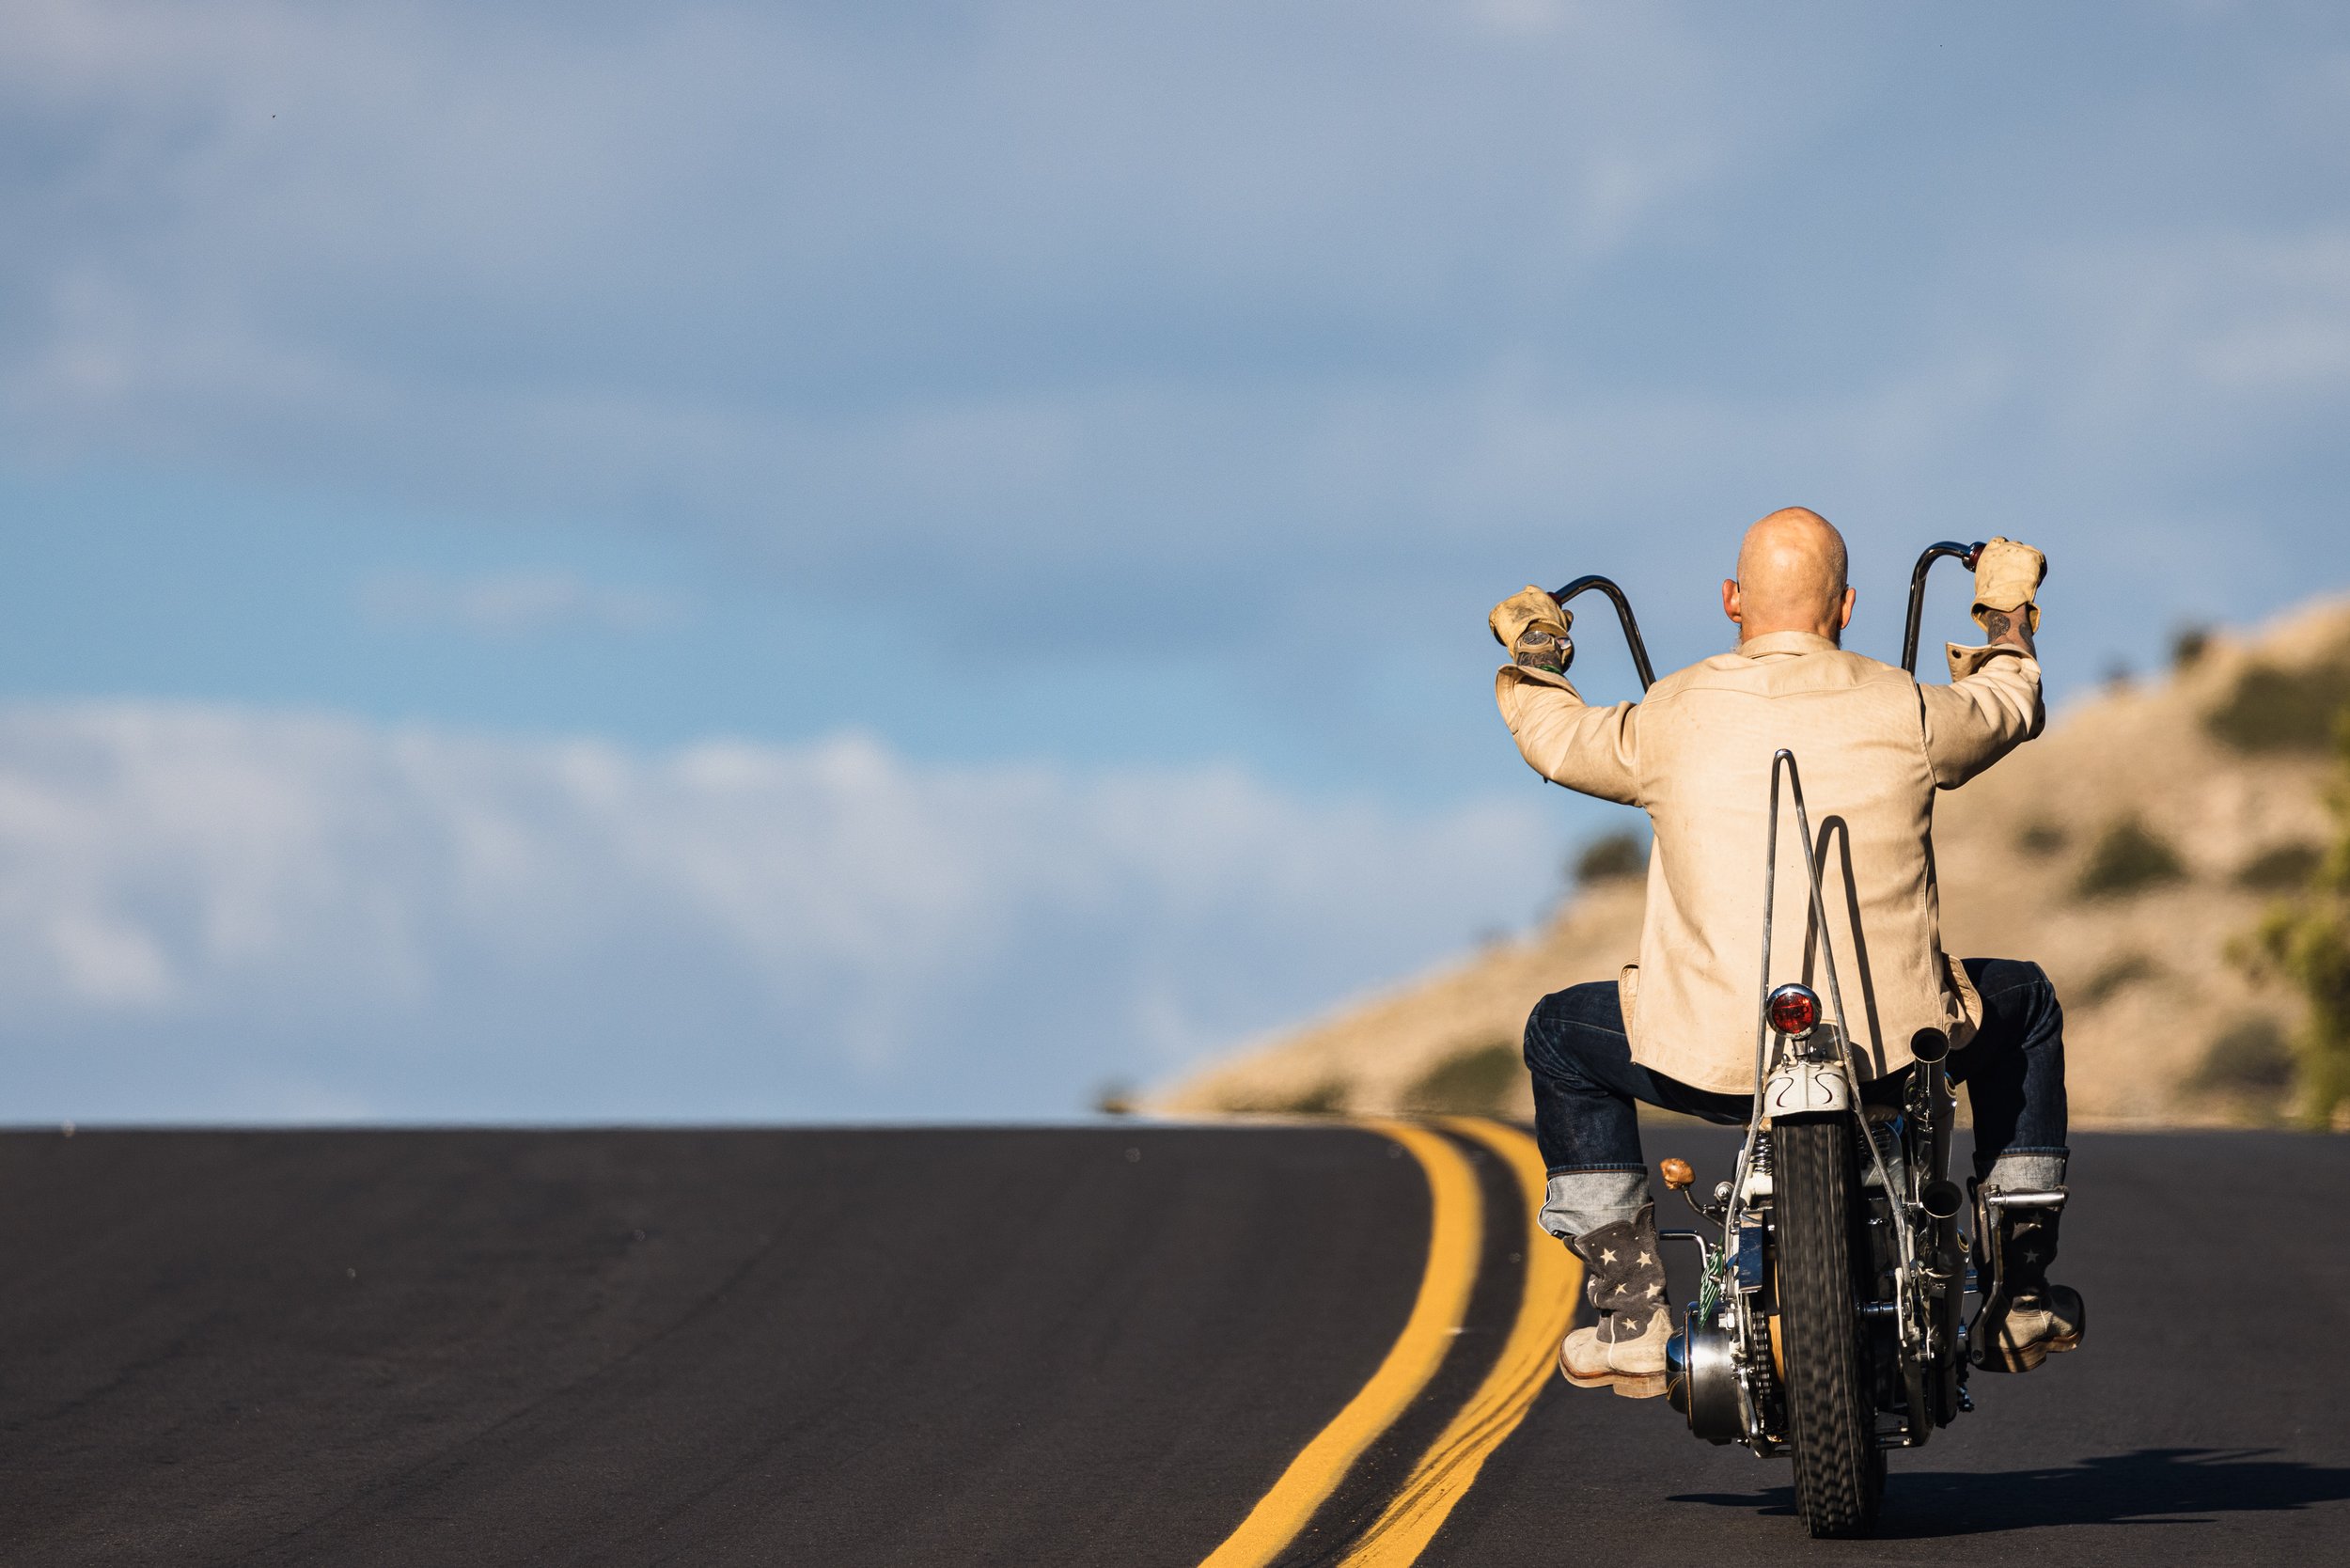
column 1456, row 1218
column 1446, row 1471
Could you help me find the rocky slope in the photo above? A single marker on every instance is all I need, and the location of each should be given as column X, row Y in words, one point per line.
column 2125, row 850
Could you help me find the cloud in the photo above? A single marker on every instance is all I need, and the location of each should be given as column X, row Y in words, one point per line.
column 1045, row 298
column 218, row 914
column 513, row 605
column 826, row 283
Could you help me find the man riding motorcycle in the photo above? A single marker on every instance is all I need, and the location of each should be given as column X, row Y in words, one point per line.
column 1676, row 1030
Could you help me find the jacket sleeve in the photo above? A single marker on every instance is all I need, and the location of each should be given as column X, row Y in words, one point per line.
column 1991, row 706
column 1594, row 750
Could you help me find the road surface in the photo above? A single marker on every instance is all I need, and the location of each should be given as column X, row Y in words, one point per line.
column 1124, row 1345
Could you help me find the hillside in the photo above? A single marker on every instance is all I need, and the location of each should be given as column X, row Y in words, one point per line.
column 2124, row 849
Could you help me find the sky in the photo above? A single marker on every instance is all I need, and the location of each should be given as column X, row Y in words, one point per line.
column 889, row 561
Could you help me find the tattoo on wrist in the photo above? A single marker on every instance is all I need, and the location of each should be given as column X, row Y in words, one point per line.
column 2013, row 630
column 1538, row 650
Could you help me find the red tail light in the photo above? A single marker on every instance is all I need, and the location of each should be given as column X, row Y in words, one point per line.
column 1795, row 1010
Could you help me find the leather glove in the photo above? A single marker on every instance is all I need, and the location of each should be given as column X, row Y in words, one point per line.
column 1533, row 627
column 2007, row 574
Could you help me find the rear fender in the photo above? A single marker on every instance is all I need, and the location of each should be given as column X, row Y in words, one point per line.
column 1807, row 1089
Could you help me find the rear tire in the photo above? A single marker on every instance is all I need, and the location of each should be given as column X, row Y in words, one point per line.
column 1831, row 1418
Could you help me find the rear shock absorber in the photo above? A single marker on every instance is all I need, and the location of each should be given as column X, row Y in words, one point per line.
column 1758, row 1169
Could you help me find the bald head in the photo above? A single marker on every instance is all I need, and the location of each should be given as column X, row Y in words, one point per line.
column 1790, row 577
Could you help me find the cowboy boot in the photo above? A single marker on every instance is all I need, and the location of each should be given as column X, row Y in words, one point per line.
column 2027, row 1320
column 1623, row 1274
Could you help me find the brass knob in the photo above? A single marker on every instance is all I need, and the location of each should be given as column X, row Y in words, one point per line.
column 1677, row 1173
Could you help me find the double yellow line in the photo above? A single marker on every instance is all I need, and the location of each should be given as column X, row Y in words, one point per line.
column 1449, row 1467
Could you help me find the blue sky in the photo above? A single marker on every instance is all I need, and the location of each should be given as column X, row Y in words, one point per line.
column 1092, row 395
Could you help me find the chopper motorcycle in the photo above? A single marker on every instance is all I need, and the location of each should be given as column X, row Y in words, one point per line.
column 1835, row 1263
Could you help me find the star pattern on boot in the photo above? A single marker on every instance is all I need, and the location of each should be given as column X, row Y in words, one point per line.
column 1624, row 1276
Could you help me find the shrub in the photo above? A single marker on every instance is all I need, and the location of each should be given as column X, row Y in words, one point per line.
column 2042, row 839
column 2189, row 645
column 2310, row 946
column 2127, row 858
column 1612, row 859
column 2306, row 939
column 1327, row 1098
column 2253, row 1059
column 1474, row 1082
column 2127, row 971
column 2279, row 869
column 2272, row 708
column 1469, row 1082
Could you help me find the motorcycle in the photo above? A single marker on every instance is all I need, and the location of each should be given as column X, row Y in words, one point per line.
column 1830, row 1324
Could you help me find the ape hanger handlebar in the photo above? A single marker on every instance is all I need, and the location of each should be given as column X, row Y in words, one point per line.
column 1623, row 613
column 1966, row 555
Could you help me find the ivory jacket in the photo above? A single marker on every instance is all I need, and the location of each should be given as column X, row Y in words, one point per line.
column 1872, row 745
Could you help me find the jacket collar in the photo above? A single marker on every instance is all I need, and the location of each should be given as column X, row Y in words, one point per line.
column 1775, row 644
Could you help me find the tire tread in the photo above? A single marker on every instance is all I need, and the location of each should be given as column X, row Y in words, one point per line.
column 1839, row 1471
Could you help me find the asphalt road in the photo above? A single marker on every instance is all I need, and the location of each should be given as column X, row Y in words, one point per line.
column 1029, row 1347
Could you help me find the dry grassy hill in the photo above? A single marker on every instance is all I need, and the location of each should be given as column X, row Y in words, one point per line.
column 2125, row 849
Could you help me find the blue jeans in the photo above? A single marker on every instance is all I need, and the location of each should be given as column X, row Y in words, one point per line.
column 1585, row 1079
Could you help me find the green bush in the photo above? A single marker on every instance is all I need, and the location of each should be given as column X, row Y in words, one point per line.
column 1613, row 858
column 2127, row 858
column 2306, row 939
column 2127, row 971
column 2272, row 708
column 2281, row 868
column 2311, row 944
column 2189, row 645
column 1474, row 1082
